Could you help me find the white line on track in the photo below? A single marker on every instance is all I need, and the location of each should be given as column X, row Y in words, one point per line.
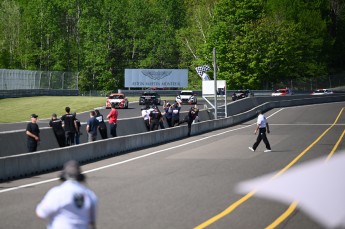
column 133, row 159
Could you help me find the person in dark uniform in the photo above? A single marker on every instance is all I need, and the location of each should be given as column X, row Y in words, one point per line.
column 155, row 118
column 59, row 132
column 168, row 113
column 261, row 126
column 33, row 134
column 78, row 132
column 190, row 117
column 102, row 126
column 175, row 117
column 70, row 126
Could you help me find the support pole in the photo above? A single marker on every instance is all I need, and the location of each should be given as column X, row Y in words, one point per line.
column 215, row 83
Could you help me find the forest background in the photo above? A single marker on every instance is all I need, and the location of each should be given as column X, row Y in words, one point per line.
column 260, row 44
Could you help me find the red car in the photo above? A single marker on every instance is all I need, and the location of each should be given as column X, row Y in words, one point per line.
column 119, row 99
column 282, row 92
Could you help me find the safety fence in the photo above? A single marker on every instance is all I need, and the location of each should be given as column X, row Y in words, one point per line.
column 24, row 79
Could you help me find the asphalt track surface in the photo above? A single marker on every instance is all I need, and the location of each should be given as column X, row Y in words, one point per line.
column 190, row 183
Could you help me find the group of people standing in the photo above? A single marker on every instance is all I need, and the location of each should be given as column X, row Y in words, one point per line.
column 153, row 117
column 67, row 128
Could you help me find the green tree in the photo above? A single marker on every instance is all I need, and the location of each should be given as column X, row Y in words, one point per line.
column 9, row 34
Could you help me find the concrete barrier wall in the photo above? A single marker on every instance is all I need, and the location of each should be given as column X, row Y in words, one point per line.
column 14, row 142
column 27, row 164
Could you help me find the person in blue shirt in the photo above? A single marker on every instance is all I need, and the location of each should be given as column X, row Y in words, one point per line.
column 92, row 127
column 175, row 116
column 168, row 113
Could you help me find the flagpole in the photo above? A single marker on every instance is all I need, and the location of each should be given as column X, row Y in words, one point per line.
column 215, row 83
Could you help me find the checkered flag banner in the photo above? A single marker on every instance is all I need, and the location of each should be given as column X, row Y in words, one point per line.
column 201, row 70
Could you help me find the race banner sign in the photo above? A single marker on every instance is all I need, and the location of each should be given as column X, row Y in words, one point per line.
column 160, row 78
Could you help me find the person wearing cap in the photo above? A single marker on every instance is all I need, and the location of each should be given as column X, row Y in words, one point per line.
column 33, row 134
column 70, row 204
column 59, row 132
column 261, row 126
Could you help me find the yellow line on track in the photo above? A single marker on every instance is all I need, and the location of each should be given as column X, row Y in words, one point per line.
column 250, row 194
column 286, row 214
column 294, row 204
column 336, row 146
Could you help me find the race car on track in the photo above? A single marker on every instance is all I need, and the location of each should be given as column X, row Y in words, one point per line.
column 240, row 94
column 150, row 98
column 282, row 92
column 187, row 97
column 322, row 92
column 119, row 99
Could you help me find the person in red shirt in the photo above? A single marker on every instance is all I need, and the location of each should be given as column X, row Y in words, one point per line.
column 112, row 116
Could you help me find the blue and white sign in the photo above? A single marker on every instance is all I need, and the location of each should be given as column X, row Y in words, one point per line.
column 160, row 78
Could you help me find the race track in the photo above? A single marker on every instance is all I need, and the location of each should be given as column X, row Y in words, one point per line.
column 188, row 183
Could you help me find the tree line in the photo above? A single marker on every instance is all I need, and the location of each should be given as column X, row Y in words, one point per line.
column 259, row 43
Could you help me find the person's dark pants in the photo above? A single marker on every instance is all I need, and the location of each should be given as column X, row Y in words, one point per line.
column 147, row 124
column 175, row 122
column 77, row 138
column 189, row 126
column 103, row 133
column 261, row 136
column 161, row 124
column 169, row 121
column 113, row 129
column 31, row 145
column 70, row 138
column 154, row 125
column 61, row 139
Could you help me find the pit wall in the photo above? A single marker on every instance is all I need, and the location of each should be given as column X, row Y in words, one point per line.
column 132, row 136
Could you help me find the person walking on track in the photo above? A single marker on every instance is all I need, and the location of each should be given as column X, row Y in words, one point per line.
column 261, row 126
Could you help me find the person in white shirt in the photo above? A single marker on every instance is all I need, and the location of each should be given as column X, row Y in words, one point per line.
column 261, row 126
column 71, row 205
column 145, row 113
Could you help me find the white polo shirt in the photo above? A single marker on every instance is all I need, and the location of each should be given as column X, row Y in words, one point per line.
column 261, row 121
column 70, row 205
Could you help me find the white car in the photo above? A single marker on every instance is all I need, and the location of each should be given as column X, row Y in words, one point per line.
column 322, row 92
column 282, row 92
column 187, row 97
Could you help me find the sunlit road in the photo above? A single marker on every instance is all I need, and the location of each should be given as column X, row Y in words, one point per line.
column 184, row 184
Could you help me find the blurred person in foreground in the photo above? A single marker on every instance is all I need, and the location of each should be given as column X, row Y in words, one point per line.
column 70, row 205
